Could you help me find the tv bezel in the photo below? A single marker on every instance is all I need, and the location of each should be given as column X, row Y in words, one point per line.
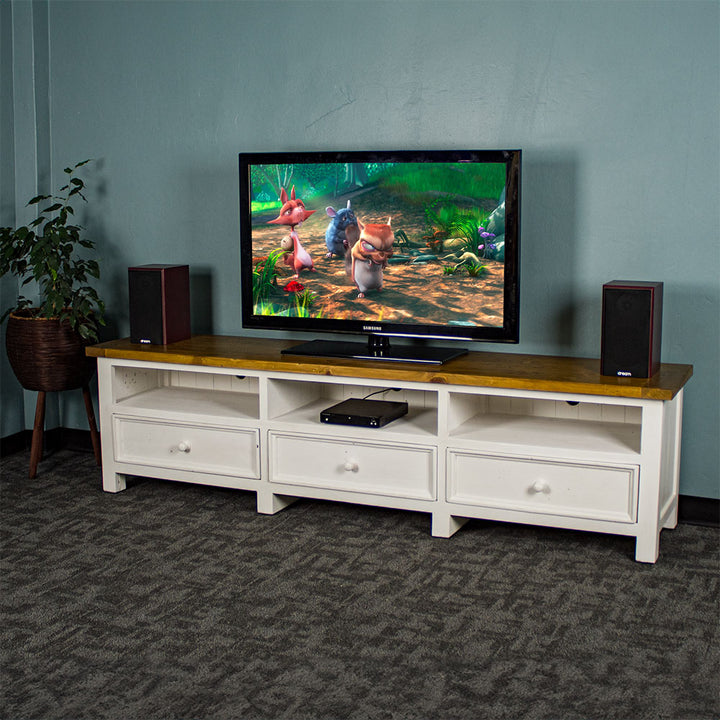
column 507, row 333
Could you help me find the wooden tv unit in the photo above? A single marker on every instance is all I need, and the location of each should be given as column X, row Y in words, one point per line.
column 509, row 437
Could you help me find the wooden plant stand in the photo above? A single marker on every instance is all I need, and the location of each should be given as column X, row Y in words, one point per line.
column 36, row 446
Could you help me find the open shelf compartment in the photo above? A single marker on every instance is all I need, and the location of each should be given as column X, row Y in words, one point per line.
column 535, row 422
column 185, row 394
column 300, row 402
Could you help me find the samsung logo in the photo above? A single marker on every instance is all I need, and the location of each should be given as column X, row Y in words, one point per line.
column 624, row 373
column 372, row 328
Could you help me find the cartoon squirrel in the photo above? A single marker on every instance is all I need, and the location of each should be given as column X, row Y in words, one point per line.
column 342, row 232
column 293, row 213
column 369, row 256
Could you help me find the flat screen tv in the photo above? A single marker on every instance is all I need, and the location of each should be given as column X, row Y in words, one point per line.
column 414, row 245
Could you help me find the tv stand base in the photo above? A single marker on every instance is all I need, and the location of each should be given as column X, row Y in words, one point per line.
column 377, row 348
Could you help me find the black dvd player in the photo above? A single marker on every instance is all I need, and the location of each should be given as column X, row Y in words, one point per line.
column 364, row 413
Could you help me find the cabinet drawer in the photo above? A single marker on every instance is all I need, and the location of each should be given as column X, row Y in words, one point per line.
column 370, row 467
column 226, row 451
column 599, row 492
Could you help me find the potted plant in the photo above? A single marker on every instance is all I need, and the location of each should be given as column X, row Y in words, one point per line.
column 46, row 343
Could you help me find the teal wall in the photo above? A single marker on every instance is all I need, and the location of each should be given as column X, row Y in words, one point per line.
column 11, row 407
column 615, row 105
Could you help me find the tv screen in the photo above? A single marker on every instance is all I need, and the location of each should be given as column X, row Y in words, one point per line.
column 388, row 244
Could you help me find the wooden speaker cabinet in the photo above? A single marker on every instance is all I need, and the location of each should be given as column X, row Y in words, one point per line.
column 631, row 328
column 159, row 303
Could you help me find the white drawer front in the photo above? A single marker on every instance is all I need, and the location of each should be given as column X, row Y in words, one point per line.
column 226, row 451
column 598, row 492
column 382, row 469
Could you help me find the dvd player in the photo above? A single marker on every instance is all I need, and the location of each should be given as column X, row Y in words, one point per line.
column 364, row 413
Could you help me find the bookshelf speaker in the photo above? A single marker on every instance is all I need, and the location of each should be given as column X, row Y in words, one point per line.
column 159, row 303
column 631, row 328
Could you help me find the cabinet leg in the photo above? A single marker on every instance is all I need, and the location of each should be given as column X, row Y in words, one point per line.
column 36, row 446
column 671, row 519
column 94, row 434
column 113, row 482
column 446, row 525
column 647, row 547
column 268, row 503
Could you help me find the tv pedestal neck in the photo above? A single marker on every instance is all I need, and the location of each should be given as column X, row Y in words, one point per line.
column 498, row 436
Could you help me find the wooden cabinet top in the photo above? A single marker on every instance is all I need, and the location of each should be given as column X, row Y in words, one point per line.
column 479, row 369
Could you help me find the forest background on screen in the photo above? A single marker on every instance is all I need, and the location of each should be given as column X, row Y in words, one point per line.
column 445, row 264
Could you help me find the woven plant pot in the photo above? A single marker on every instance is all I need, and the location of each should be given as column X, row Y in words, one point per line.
column 47, row 354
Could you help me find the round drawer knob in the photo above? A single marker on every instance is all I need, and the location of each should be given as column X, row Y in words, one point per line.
column 540, row 486
column 351, row 466
column 183, row 447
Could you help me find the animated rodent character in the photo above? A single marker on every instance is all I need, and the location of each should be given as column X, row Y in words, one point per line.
column 293, row 213
column 369, row 256
column 342, row 230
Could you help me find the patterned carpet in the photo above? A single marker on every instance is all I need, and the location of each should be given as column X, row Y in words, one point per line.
column 179, row 601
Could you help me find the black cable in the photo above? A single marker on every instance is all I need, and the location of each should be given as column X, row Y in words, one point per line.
column 381, row 391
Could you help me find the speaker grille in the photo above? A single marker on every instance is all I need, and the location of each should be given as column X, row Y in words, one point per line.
column 146, row 312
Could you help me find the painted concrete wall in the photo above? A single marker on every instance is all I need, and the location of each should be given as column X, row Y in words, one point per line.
column 614, row 104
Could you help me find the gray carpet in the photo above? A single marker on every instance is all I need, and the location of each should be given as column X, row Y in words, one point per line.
column 179, row 601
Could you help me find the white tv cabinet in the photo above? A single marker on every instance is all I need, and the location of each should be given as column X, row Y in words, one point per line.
column 517, row 438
